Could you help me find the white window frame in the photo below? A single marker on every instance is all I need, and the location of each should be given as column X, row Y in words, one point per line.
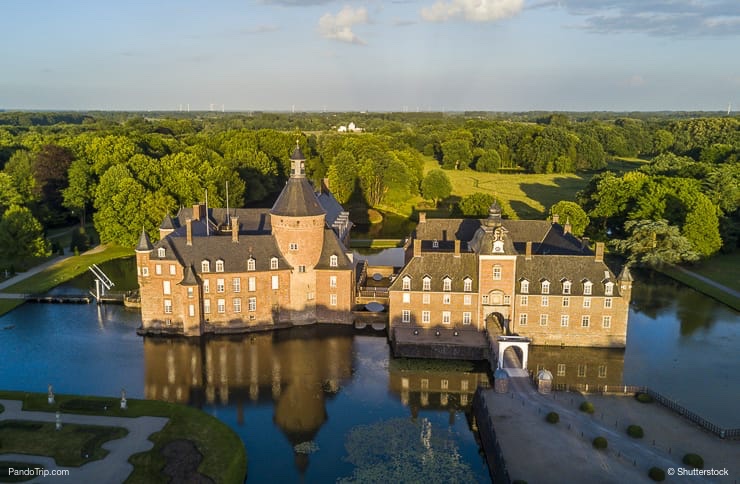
column 145, row 271
column 220, row 285
column 606, row 322
column 467, row 317
column 426, row 284
column 609, row 289
column 543, row 319
column 158, row 269
column 607, row 302
column 425, row 298
column 252, row 304
column 564, row 320
column 206, row 286
column 406, row 283
column 332, row 281
column 406, row 297
column 585, row 321
column 587, row 302
column 545, row 301
column 221, row 306
column 446, row 299
column 522, row 319
column 219, row 265
column 497, row 272
column 524, row 287
column 545, row 287
column 332, row 299
column 161, row 252
column 406, row 316
column 251, row 264
column 333, row 261
column 566, row 301
column 173, row 270
column 252, row 284
column 561, row 369
column 524, row 300
column 467, row 284
column 205, row 266
column 168, row 306
column 566, row 287
column 426, row 317
column 237, row 305
column 435, row 244
column 275, row 282
column 467, row 299
column 206, row 306
column 447, row 284
column 274, row 263
column 236, row 284
column 446, row 317
column 587, row 288
column 293, row 246
column 166, row 288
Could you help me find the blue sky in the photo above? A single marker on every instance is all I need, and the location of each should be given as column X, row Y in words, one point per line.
column 501, row 55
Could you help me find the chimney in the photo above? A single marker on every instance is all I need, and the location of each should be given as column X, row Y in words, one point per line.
column 599, row 252
column 555, row 218
column 567, row 227
column 422, row 217
column 528, row 251
column 417, row 248
column 189, row 230
column 196, row 211
column 325, row 185
column 235, row 229
column 584, row 243
column 457, row 248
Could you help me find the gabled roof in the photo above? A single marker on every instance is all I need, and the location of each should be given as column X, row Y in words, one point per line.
column 437, row 266
column 144, row 244
column 252, row 221
column 576, row 268
column 168, row 223
column 332, row 246
column 189, row 277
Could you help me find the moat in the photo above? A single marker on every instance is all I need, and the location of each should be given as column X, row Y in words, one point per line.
column 329, row 402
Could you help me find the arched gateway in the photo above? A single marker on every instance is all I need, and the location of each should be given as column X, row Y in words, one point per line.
column 520, row 342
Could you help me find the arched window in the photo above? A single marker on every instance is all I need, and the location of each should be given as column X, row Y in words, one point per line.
column 427, row 283
column 566, row 287
column 447, row 284
column 406, row 283
column 274, row 263
column 160, row 252
column 525, row 286
column 251, row 264
column 205, row 266
column 545, row 287
column 219, row 265
column 467, row 284
column 333, row 260
column 587, row 287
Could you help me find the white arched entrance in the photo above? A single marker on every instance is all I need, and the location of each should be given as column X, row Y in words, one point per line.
column 520, row 342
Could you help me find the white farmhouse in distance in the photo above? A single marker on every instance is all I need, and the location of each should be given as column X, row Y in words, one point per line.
column 351, row 128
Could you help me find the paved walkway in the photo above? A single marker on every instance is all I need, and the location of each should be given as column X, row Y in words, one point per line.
column 113, row 468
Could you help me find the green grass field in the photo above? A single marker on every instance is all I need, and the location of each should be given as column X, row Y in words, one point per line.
column 723, row 268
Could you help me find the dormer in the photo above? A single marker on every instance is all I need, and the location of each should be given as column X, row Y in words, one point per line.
column 447, row 284
column 545, row 286
column 587, row 287
column 406, row 283
column 220, row 265
column 251, row 263
column 609, row 288
column 161, row 252
column 274, row 263
column 566, row 285
column 333, row 261
column 205, row 266
column 467, row 284
column 426, row 283
column 524, row 286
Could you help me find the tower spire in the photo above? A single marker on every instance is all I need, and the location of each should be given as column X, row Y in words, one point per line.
column 297, row 163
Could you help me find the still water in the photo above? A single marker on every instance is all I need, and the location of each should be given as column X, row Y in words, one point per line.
column 327, row 403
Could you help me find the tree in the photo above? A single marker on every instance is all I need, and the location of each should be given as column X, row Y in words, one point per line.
column 343, row 176
column 456, row 154
column 476, row 205
column 589, row 154
column 571, row 212
column 21, row 235
column 654, row 242
column 80, row 193
column 489, row 161
column 436, row 186
column 8, row 194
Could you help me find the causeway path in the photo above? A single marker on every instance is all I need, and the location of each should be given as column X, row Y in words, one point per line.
column 113, row 468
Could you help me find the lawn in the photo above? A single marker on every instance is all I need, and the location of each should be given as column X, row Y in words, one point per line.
column 701, row 286
column 7, row 305
column 723, row 268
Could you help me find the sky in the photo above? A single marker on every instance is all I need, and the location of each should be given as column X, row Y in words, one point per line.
column 370, row 55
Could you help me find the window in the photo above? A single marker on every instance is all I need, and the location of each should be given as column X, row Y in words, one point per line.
column 467, row 284
column 293, row 246
column 435, row 244
column 446, row 299
column 585, row 321
column 444, row 384
column 587, row 288
column 507, row 300
column 221, row 306
column 425, row 317
column 445, row 317
column 166, row 287
column 173, row 270
column 237, row 284
column 406, row 283
column 561, row 369
column 252, row 304
column 608, row 302
column 609, row 288
column 427, row 284
column 206, row 306
column 467, row 300
column 274, row 263
column 496, row 273
column 191, row 310
column 333, row 261
column 425, row 298
column 145, row 271
column 467, row 317
column 168, row 306
column 424, row 383
column 275, row 282
column 205, row 266
column 160, row 252
column 446, row 284
column 252, row 284
column 301, row 269
column 332, row 299
column 206, row 286
column 237, row 305
column 586, row 302
column 405, row 316
column 545, row 300
column 581, row 371
column 406, row 297
column 484, row 299
column 522, row 320
column 464, row 385
column 606, row 322
column 310, row 296
column 251, row 264
column 332, row 281
column 525, row 287
column 523, row 300
column 220, row 285
column 543, row 319
column 158, row 269
column 566, row 301
column 602, row 371
column 545, row 287
column 190, row 293
column 566, row 287
column 219, row 265
column 564, row 320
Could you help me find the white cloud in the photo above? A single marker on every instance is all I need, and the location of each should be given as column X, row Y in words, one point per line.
column 473, row 10
column 339, row 26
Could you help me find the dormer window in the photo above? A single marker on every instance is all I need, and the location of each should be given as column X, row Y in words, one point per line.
column 435, row 244
column 525, row 286
column 219, row 265
column 609, row 289
column 251, row 264
column 545, row 287
column 333, row 261
column 406, row 283
column 205, row 266
column 467, row 284
column 161, row 252
column 274, row 263
column 587, row 287
column 566, row 287
column 446, row 284
column 427, row 284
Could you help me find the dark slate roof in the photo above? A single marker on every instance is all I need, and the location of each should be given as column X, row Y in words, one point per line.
column 297, row 200
column 168, row 223
column 483, row 240
column 447, row 229
column 252, row 221
column 332, row 246
column 297, row 154
column 144, row 243
column 331, row 206
column 626, row 275
column 189, row 277
column 437, row 266
column 527, row 230
column 555, row 268
column 557, row 242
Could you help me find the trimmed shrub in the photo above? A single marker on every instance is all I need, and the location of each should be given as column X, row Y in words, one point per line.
column 635, row 431
column 643, row 398
column 657, row 474
column 693, row 460
column 600, row 443
column 553, row 417
column 587, row 407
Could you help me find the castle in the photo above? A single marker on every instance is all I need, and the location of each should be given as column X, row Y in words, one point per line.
column 463, row 280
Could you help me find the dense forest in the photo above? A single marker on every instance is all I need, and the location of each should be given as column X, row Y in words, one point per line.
column 127, row 170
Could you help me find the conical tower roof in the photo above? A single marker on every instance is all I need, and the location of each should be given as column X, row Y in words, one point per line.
column 297, row 198
column 144, row 245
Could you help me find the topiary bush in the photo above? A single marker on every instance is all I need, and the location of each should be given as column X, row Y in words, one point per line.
column 643, row 398
column 552, row 417
column 657, row 474
column 587, row 407
column 635, row 431
column 693, row 460
column 600, row 443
